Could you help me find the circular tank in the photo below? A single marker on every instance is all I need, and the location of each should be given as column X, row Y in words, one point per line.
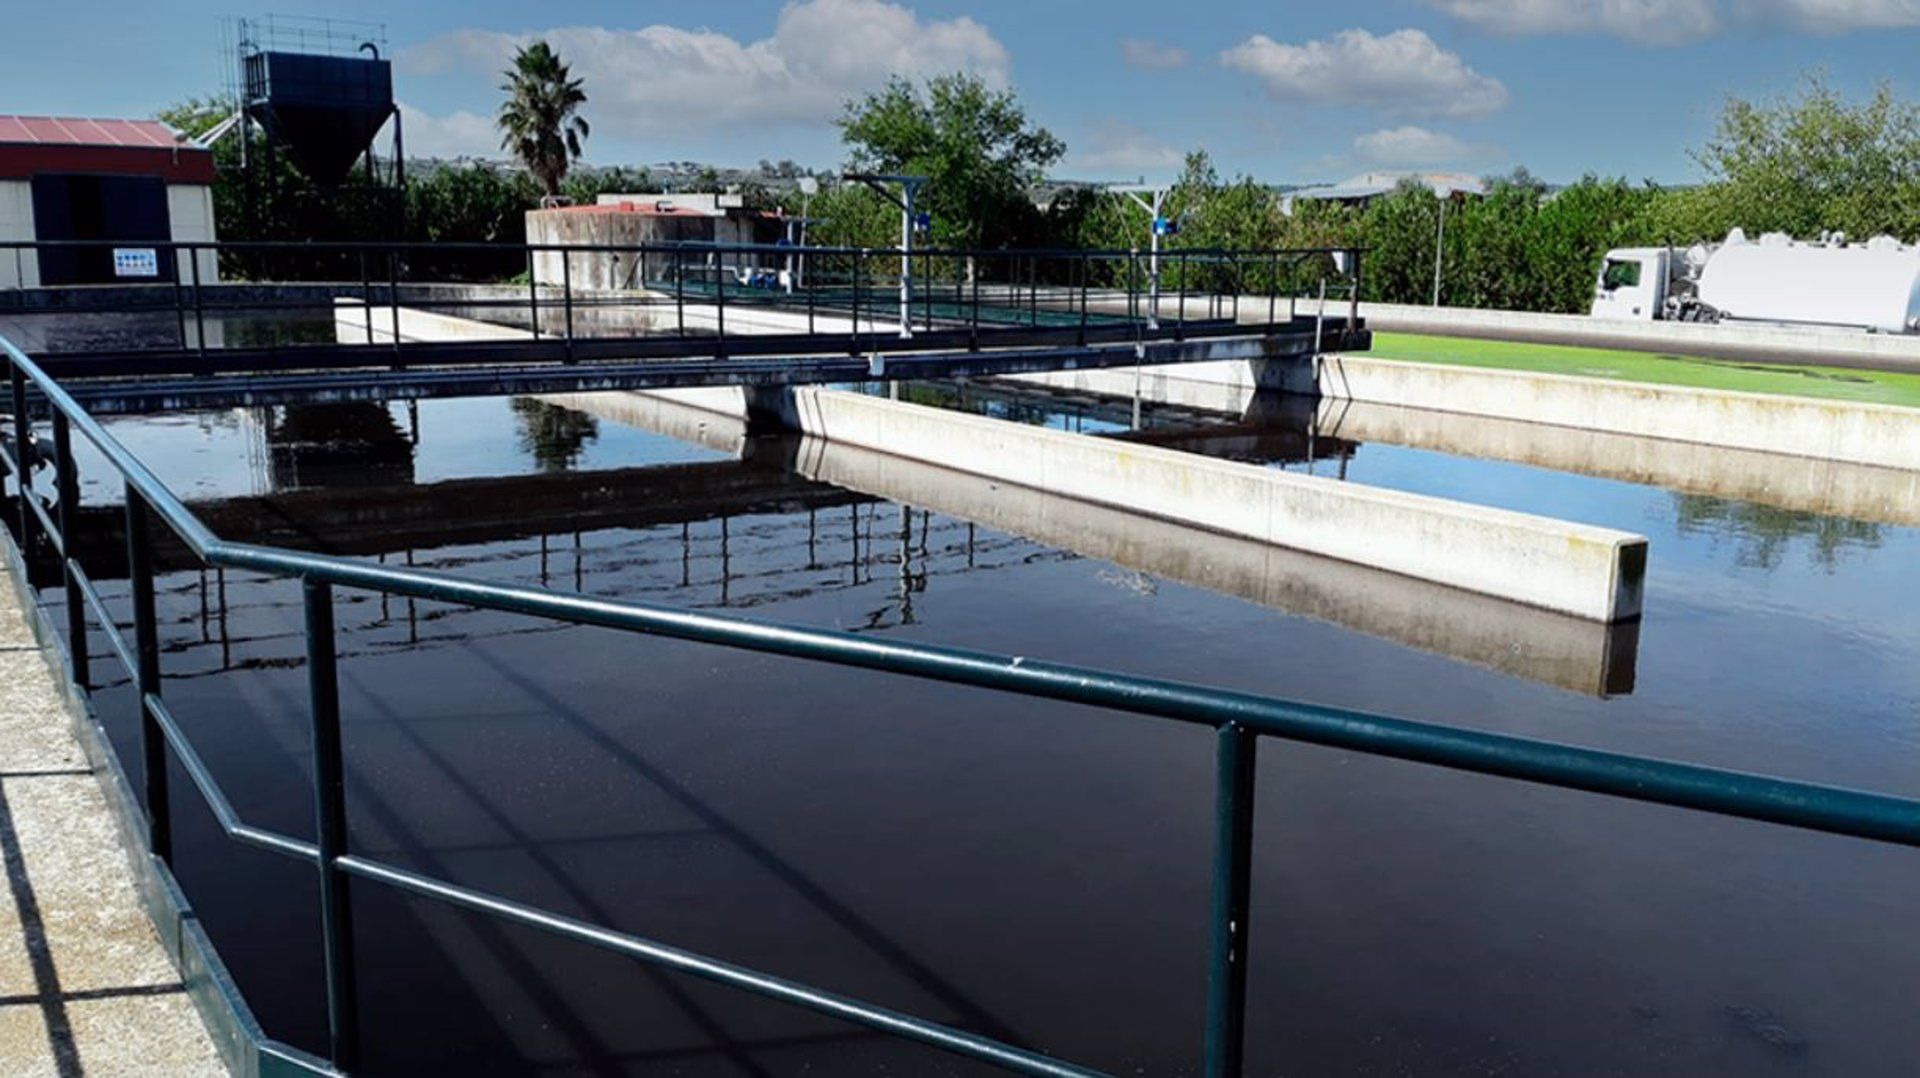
column 1874, row 285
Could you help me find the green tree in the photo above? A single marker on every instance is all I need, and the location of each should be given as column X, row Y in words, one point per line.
column 540, row 121
column 1813, row 162
column 583, row 187
column 472, row 203
column 196, row 116
column 851, row 215
column 975, row 145
column 273, row 200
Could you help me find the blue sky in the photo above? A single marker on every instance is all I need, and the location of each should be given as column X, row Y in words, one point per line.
column 1284, row 91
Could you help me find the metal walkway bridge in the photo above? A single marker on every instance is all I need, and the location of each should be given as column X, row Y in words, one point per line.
column 697, row 316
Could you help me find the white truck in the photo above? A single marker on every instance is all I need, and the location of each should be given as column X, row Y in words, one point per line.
column 1872, row 286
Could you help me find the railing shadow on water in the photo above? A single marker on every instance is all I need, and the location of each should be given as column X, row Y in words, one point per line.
column 1238, row 719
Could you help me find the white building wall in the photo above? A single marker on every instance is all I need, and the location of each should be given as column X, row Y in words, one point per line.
column 19, row 268
column 190, row 209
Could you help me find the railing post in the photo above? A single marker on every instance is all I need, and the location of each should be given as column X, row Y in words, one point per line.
column 1180, row 315
column 179, row 299
column 1273, row 290
column 1081, row 261
column 973, row 320
column 859, row 263
column 1133, row 285
column 199, row 311
column 566, row 296
column 393, row 298
column 1353, row 299
column 1033, row 290
column 22, row 456
column 146, row 635
column 330, row 827
column 366, row 295
column 1232, row 863
column 720, row 307
column 67, row 488
column 680, row 291
column 807, row 287
column 533, row 292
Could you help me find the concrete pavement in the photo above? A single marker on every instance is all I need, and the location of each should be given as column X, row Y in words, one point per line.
column 86, row 987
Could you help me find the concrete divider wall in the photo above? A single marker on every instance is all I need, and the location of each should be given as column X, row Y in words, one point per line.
column 1826, row 487
column 1573, row 568
column 1879, row 435
column 1576, row 569
column 1576, row 654
column 1226, row 386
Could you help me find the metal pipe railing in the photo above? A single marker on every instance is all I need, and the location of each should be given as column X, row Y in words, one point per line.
column 1238, row 718
column 1034, row 288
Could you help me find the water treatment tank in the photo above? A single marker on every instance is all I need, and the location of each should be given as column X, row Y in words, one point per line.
column 1873, row 285
column 324, row 109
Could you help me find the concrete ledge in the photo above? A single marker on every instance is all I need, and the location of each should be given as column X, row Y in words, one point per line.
column 1570, row 653
column 1226, row 386
column 1566, row 652
column 1569, row 568
column 1572, row 568
column 242, row 1045
column 1876, row 435
column 350, row 321
column 1826, row 487
column 350, row 324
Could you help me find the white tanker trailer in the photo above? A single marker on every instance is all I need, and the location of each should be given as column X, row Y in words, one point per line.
column 1872, row 286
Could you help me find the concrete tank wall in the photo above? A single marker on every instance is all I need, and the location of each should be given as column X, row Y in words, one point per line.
column 612, row 228
column 620, row 226
column 1577, row 569
column 1878, row 435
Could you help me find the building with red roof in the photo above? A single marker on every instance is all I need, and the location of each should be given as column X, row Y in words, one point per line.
column 126, row 187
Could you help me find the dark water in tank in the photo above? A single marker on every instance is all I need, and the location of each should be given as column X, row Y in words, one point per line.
column 1033, row 871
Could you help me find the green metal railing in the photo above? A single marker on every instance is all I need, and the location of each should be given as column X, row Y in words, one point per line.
column 1239, row 720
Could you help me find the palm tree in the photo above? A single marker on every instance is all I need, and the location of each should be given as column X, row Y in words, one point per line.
column 539, row 121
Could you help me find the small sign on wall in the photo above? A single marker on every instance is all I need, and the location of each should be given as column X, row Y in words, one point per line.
column 136, row 262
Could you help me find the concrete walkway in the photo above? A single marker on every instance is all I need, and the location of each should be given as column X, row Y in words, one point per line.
column 86, row 987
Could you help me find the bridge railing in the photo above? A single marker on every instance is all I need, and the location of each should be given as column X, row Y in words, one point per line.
column 1239, row 720
column 201, row 295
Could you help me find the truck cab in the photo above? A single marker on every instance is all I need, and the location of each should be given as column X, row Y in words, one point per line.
column 1632, row 285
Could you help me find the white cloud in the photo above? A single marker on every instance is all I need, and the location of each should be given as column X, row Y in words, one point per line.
column 1671, row 22
column 1401, row 73
column 1116, row 147
column 1153, row 56
column 459, row 134
column 1415, row 147
column 1835, row 16
column 664, row 78
column 1649, row 22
